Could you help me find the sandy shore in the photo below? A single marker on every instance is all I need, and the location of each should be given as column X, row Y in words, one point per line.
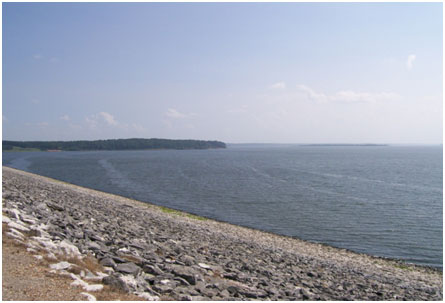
column 145, row 249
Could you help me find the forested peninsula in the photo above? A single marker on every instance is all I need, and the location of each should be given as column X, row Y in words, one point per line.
column 112, row 144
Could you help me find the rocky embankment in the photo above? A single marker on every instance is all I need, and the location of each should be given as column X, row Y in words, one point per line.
column 156, row 253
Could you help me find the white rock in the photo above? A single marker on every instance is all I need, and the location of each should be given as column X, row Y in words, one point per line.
column 16, row 232
column 61, row 265
column 45, row 242
column 129, row 280
column 98, row 277
column 13, row 235
column 93, row 287
column 166, row 281
column 28, row 219
column 15, row 213
column 51, row 256
column 101, row 275
column 109, row 270
column 64, row 273
column 89, row 275
column 6, row 220
column 42, row 226
column 90, row 297
column 69, row 249
column 124, row 250
column 147, row 296
column 33, row 246
column 38, row 257
column 203, row 265
column 79, row 282
column 85, row 285
column 18, row 226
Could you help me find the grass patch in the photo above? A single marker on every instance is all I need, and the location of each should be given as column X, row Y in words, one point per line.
column 403, row 266
column 180, row 213
column 196, row 217
column 89, row 262
column 109, row 293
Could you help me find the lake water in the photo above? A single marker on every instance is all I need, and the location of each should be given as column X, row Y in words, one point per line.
column 381, row 200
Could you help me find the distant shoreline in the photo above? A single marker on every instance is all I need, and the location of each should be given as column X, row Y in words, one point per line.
column 111, row 144
column 345, row 144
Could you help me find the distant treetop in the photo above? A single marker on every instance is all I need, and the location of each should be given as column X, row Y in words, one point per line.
column 113, row 144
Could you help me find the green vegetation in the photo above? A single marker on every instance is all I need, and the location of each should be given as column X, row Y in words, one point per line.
column 180, row 213
column 112, row 144
column 403, row 266
column 20, row 149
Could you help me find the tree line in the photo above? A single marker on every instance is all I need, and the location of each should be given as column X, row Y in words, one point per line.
column 114, row 144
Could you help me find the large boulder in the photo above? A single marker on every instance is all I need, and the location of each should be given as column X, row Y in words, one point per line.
column 186, row 273
column 128, row 268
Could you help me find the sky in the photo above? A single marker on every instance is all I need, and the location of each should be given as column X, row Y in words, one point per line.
column 235, row 72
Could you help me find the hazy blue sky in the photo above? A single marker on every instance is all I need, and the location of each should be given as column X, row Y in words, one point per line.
column 273, row 73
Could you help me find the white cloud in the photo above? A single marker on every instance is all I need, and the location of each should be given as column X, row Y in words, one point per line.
column 102, row 118
column 351, row 96
column 278, row 85
column 410, row 61
column 65, row 118
column 137, row 127
column 108, row 118
column 173, row 113
column 43, row 124
column 37, row 56
column 238, row 110
column 346, row 96
column 91, row 121
column 102, row 121
column 313, row 95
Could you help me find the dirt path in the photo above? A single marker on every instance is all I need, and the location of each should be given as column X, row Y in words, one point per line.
column 26, row 278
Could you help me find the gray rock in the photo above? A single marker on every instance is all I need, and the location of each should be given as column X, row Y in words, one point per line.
column 41, row 206
column 163, row 288
column 152, row 269
column 96, row 238
column 199, row 298
column 78, row 234
column 118, row 259
column 54, row 206
column 182, row 281
column 232, row 289
column 188, row 260
column 92, row 245
column 224, row 293
column 109, row 262
column 137, row 245
column 186, row 298
column 116, row 283
column 254, row 294
column 186, row 273
column 128, row 268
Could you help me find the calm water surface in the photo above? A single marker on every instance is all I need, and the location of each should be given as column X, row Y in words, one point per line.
column 384, row 201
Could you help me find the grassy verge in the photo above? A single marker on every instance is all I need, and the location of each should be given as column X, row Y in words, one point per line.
column 180, row 213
